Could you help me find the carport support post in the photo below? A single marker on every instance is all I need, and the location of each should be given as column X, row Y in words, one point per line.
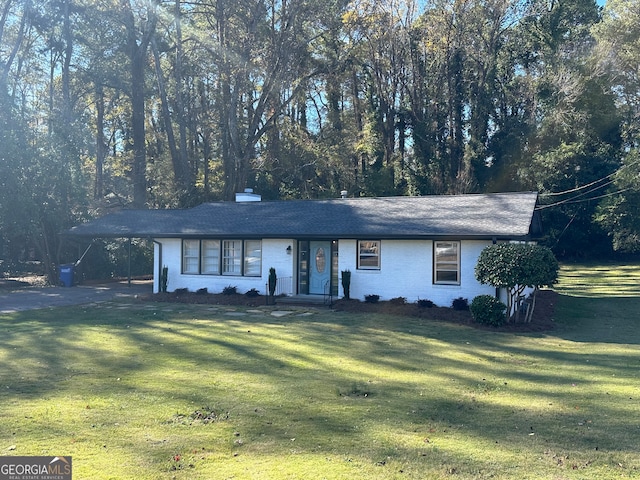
column 129, row 275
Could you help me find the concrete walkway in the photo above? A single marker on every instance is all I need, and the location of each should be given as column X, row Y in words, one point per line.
column 33, row 298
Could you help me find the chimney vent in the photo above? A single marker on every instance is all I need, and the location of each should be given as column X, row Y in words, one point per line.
column 248, row 196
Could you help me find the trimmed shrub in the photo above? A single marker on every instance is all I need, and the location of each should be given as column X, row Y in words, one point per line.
column 425, row 303
column 460, row 304
column 346, row 283
column 229, row 290
column 371, row 298
column 164, row 279
column 252, row 293
column 202, row 291
column 398, row 301
column 488, row 310
column 273, row 281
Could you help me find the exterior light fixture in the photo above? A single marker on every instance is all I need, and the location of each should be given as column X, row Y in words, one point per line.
column 289, row 250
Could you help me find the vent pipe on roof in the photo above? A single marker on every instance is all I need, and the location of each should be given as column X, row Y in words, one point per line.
column 248, row 196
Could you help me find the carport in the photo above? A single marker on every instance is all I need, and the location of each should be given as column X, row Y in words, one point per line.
column 124, row 224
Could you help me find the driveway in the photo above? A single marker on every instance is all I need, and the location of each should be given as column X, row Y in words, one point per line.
column 32, row 298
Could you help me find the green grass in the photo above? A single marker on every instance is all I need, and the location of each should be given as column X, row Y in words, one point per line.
column 163, row 391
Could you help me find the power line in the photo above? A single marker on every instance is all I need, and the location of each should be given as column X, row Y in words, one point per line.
column 556, row 194
column 575, row 198
column 570, row 201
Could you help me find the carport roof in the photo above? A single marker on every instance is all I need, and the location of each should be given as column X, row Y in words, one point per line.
column 499, row 215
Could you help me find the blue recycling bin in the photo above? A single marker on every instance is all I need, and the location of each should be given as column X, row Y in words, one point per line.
column 66, row 275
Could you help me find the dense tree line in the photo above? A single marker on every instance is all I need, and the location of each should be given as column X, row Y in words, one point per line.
column 156, row 104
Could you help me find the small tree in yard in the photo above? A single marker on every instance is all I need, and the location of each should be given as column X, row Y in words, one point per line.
column 515, row 266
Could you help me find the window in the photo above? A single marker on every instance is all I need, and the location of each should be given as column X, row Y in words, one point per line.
column 369, row 254
column 232, row 257
column 252, row 258
column 446, row 263
column 190, row 256
column 210, row 262
column 226, row 257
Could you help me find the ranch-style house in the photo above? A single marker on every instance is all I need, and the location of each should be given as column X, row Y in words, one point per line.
column 414, row 247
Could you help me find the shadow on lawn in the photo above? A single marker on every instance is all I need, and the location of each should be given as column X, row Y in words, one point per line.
column 600, row 280
column 598, row 319
column 305, row 373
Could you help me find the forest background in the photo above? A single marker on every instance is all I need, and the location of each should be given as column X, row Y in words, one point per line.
column 110, row 104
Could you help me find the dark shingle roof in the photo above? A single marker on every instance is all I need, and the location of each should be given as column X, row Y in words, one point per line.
column 501, row 215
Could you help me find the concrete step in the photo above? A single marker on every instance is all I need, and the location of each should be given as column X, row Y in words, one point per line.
column 303, row 300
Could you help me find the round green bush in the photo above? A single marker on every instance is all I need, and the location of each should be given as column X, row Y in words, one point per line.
column 488, row 310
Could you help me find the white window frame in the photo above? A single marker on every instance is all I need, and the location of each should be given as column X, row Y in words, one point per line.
column 252, row 258
column 231, row 257
column 210, row 257
column 190, row 257
column 371, row 251
column 446, row 266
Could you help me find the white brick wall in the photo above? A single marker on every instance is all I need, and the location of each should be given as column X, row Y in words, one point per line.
column 406, row 271
column 274, row 254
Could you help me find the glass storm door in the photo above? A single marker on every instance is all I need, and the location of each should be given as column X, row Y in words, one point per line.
column 319, row 267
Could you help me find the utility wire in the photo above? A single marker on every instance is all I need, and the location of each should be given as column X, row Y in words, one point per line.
column 604, row 195
column 570, row 201
column 556, row 194
column 575, row 198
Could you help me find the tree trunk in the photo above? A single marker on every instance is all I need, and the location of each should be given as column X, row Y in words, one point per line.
column 456, row 152
column 6, row 67
column 138, row 131
column 98, row 188
column 533, row 306
column 137, row 53
column 227, row 121
column 187, row 181
column 180, row 169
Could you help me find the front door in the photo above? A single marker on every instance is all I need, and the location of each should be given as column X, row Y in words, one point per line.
column 319, row 268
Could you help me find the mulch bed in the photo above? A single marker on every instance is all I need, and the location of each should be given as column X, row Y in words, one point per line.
column 542, row 317
column 541, row 321
column 207, row 299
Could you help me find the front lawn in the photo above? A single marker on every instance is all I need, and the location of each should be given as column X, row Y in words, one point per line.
column 161, row 391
